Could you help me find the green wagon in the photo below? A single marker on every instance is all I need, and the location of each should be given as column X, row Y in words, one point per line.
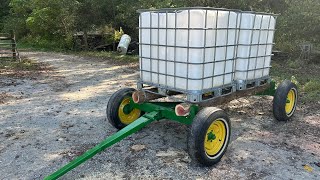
column 185, row 87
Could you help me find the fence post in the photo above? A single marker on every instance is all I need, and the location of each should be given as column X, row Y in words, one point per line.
column 13, row 42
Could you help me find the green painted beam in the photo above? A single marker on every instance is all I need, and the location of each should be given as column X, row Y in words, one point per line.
column 123, row 133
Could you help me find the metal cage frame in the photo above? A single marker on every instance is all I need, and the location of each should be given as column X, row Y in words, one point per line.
column 195, row 96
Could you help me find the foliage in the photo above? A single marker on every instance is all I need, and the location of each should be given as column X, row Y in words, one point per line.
column 118, row 34
column 312, row 90
column 43, row 44
column 58, row 20
column 91, row 14
column 312, row 85
column 299, row 23
column 24, row 65
column 111, row 56
column 306, row 76
column 16, row 18
column 4, row 11
column 51, row 18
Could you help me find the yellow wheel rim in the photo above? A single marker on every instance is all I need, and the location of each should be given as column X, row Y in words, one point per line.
column 127, row 118
column 215, row 137
column 291, row 100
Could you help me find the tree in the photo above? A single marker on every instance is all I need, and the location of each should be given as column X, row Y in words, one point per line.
column 4, row 11
column 59, row 19
column 299, row 23
column 90, row 16
column 19, row 10
column 52, row 18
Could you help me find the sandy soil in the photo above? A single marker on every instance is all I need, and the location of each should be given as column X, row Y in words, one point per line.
column 49, row 118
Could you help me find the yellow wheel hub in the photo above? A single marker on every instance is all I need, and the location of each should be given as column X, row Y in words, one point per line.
column 291, row 98
column 127, row 117
column 215, row 137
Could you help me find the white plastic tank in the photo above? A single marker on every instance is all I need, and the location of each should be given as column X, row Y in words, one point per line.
column 183, row 50
column 254, row 46
column 124, row 44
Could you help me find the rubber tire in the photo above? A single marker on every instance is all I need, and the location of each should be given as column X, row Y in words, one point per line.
column 197, row 133
column 280, row 98
column 113, row 106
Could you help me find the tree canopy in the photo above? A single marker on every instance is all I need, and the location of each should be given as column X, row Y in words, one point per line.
column 57, row 20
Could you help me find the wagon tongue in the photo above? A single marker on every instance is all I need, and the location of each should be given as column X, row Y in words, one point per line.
column 109, row 141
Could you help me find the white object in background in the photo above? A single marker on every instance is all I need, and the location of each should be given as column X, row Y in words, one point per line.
column 173, row 55
column 255, row 46
column 124, row 44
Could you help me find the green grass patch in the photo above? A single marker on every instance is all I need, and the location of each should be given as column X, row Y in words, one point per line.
column 312, row 90
column 313, row 85
column 305, row 75
column 44, row 46
column 110, row 55
column 24, row 65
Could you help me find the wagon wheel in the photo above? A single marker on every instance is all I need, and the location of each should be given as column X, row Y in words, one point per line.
column 209, row 136
column 119, row 112
column 285, row 101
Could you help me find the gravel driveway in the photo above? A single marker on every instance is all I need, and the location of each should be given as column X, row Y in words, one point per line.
column 49, row 119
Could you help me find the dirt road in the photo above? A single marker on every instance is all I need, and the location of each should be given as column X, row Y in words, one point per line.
column 48, row 119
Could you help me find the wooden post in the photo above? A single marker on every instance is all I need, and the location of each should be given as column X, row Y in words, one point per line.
column 13, row 43
column 85, row 39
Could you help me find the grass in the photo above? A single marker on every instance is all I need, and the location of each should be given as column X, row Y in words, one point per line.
column 15, row 65
column 110, row 55
column 312, row 88
column 100, row 54
column 305, row 74
column 23, row 45
column 54, row 47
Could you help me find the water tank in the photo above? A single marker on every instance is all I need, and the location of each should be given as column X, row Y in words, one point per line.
column 255, row 46
column 188, row 49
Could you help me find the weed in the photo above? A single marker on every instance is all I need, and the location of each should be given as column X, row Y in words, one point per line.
column 293, row 64
column 24, row 65
column 304, row 75
column 110, row 55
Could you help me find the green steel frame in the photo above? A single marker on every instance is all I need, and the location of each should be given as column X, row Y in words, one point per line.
column 166, row 110
column 153, row 111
